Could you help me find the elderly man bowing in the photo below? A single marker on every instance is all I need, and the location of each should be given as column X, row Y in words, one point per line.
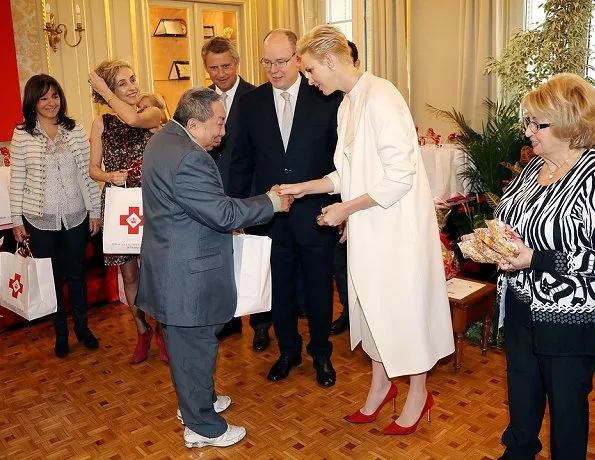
column 186, row 279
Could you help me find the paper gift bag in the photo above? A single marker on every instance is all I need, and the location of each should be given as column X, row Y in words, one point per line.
column 5, row 217
column 252, row 270
column 123, row 220
column 27, row 285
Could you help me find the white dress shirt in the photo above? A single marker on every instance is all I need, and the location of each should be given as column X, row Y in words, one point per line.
column 280, row 102
column 230, row 95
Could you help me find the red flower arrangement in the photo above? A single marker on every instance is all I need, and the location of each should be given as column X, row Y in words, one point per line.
column 6, row 155
column 430, row 137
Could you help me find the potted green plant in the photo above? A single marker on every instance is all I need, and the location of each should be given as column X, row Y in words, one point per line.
column 558, row 44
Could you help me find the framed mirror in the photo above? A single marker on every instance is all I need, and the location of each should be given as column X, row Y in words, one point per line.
column 171, row 28
column 180, row 70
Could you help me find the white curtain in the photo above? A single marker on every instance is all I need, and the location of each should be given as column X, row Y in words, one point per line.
column 387, row 42
column 296, row 15
column 485, row 28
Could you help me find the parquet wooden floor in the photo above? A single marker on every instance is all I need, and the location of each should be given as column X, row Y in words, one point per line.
column 94, row 405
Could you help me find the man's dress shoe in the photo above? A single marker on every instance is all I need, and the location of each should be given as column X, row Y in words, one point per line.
column 325, row 373
column 341, row 324
column 261, row 339
column 281, row 368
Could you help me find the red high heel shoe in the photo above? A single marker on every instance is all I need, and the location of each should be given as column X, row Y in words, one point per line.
column 393, row 428
column 161, row 345
column 359, row 417
column 143, row 342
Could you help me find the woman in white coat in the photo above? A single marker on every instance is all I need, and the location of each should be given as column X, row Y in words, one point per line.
column 398, row 303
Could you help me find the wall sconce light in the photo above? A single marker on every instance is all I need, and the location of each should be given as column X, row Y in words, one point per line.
column 54, row 31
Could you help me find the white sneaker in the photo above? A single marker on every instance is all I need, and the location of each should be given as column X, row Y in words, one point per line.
column 222, row 403
column 233, row 435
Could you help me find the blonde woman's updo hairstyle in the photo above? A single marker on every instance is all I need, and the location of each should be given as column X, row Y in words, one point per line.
column 108, row 70
column 567, row 101
column 322, row 40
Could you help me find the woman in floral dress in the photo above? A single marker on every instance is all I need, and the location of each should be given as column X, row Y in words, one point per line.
column 118, row 141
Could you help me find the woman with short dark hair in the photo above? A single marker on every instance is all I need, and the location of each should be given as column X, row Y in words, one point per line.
column 53, row 200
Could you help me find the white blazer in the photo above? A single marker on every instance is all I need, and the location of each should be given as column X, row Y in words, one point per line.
column 394, row 254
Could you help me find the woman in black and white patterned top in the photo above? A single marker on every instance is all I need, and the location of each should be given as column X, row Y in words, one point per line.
column 549, row 289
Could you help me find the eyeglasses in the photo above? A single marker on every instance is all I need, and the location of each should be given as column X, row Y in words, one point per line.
column 280, row 63
column 533, row 126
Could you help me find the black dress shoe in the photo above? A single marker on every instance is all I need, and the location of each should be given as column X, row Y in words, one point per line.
column 61, row 348
column 261, row 339
column 281, row 368
column 233, row 326
column 325, row 373
column 341, row 324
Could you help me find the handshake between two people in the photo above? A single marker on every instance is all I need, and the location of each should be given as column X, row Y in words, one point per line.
column 334, row 215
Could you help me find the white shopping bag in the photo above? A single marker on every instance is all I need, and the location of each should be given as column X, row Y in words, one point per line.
column 5, row 217
column 27, row 285
column 123, row 220
column 252, row 270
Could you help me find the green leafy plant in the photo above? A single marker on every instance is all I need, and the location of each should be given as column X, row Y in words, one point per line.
column 558, row 44
column 499, row 142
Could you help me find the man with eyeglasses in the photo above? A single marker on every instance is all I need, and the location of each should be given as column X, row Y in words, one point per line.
column 288, row 134
column 221, row 60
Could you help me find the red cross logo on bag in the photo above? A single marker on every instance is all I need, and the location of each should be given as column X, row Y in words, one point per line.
column 15, row 285
column 133, row 220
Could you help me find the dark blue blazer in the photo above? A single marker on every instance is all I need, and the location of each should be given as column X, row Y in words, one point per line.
column 259, row 160
column 222, row 153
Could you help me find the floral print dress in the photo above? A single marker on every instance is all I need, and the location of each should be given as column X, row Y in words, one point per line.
column 123, row 148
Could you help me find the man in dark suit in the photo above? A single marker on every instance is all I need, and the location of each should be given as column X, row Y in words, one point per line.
column 221, row 60
column 288, row 134
column 186, row 277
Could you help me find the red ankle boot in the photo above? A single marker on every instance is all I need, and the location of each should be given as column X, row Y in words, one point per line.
column 143, row 342
column 161, row 345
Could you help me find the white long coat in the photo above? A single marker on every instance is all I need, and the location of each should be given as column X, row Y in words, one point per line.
column 394, row 256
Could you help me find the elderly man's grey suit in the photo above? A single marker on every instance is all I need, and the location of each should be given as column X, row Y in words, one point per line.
column 186, row 277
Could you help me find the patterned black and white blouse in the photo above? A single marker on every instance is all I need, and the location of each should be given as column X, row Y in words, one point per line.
column 558, row 222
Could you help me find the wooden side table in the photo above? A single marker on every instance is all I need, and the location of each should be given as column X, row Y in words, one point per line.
column 476, row 306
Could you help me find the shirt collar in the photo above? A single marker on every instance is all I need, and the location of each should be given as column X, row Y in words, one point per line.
column 188, row 134
column 231, row 92
column 293, row 90
column 41, row 130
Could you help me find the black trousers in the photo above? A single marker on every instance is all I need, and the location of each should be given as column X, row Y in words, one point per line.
column 565, row 381
column 340, row 274
column 67, row 249
column 192, row 357
column 287, row 253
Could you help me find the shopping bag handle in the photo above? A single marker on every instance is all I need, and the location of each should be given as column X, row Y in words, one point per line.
column 23, row 249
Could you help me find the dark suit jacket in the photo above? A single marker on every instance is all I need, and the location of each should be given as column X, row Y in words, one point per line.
column 222, row 153
column 259, row 160
column 186, row 276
